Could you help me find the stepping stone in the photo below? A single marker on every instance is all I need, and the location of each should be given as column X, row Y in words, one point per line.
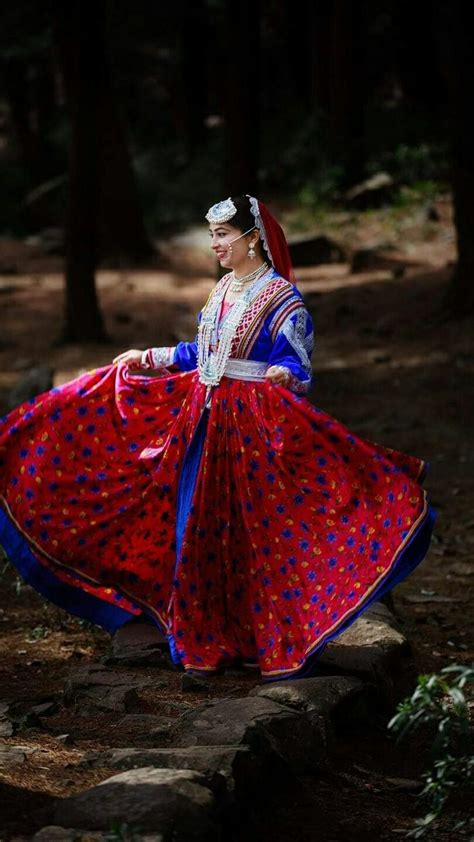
column 194, row 684
column 53, row 833
column 264, row 725
column 235, row 767
column 139, row 644
column 372, row 647
column 327, row 697
column 149, row 728
column 174, row 802
column 104, row 688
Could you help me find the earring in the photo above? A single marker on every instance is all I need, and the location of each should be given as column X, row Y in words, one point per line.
column 251, row 252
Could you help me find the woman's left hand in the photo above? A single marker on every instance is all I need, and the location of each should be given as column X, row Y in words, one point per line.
column 278, row 374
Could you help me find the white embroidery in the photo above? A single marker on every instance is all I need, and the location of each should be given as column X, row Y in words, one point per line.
column 259, row 224
column 295, row 333
column 158, row 357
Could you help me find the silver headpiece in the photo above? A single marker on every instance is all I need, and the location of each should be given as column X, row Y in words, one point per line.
column 253, row 202
column 221, row 211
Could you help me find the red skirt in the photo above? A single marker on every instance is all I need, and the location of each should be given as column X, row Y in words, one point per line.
column 255, row 530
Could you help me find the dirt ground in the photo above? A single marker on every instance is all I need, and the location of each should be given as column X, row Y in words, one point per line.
column 389, row 366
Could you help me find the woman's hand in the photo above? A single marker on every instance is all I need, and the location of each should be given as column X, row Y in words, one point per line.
column 132, row 357
column 278, row 374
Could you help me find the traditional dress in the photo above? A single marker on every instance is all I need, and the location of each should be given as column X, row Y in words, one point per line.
column 248, row 524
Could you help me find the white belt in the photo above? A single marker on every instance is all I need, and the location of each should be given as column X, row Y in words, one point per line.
column 245, row 369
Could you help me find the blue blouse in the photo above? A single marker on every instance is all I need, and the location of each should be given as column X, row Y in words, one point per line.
column 291, row 346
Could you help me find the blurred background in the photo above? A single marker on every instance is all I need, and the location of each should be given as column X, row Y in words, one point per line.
column 120, row 124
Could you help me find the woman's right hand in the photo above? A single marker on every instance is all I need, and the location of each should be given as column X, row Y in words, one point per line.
column 132, row 357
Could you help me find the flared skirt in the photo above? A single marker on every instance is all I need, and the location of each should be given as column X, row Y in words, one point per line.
column 256, row 529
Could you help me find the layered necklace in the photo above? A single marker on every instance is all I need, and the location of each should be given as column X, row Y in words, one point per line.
column 237, row 284
column 211, row 365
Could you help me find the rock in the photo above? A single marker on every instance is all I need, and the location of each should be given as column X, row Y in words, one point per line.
column 37, row 380
column 14, row 755
column 65, row 739
column 424, row 597
column 6, row 727
column 372, row 192
column 372, row 646
column 105, row 689
column 193, row 684
column 325, row 697
column 147, row 723
column 175, row 802
column 259, row 723
column 371, row 258
column 148, row 728
column 53, row 833
column 45, row 709
column 404, row 784
column 237, row 767
column 311, row 251
column 139, row 644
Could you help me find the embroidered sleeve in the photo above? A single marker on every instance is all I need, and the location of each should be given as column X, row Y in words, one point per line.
column 158, row 357
column 293, row 346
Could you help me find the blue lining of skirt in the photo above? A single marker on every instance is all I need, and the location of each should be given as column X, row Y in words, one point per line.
column 186, row 487
column 72, row 599
column 110, row 617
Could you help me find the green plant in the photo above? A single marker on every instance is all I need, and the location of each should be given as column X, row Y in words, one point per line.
column 439, row 704
column 123, row 832
column 38, row 633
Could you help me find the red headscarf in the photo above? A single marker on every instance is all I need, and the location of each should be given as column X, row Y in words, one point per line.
column 273, row 239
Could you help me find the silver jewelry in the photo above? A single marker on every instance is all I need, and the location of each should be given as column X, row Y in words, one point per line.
column 211, row 364
column 253, row 202
column 221, row 211
column 237, row 284
column 285, row 371
column 251, row 252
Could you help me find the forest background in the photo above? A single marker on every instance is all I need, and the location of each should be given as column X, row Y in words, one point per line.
column 120, row 124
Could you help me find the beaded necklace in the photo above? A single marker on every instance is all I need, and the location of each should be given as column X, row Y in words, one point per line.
column 211, row 365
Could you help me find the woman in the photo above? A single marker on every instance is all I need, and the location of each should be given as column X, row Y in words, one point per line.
column 214, row 499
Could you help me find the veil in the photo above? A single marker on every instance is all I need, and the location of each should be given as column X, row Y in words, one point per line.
column 273, row 238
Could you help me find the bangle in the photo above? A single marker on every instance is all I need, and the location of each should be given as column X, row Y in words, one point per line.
column 285, row 370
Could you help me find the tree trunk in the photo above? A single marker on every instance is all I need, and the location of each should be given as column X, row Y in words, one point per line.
column 455, row 42
column 16, row 89
column 194, row 76
column 79, row 35
column 348, row 87
column 319, row 48
column 241, row 105
column 120, row 227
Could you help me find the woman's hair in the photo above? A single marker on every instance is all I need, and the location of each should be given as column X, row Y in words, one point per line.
column 244, row 218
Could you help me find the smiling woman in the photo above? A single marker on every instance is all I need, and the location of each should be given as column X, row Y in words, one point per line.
column 249, row 525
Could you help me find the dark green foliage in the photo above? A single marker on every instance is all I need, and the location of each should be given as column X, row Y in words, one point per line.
column 440, row 706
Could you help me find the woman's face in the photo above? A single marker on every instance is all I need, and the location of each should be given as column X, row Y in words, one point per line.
column 228, row 244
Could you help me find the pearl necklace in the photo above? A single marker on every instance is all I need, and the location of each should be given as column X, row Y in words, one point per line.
column 211, row 365
column 237, row 284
